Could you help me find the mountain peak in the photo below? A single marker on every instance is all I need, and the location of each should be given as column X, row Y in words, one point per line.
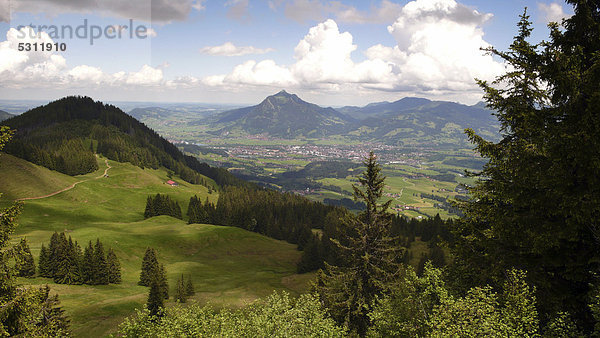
column 283, row 93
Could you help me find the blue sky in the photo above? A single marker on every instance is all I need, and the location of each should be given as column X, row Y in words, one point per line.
column 239, row 51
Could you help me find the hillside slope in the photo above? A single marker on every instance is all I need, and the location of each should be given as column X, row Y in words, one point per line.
column 4, row 115
column 64, row 135
column 229, row 266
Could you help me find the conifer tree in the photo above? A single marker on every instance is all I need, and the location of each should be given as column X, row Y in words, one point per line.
column 54, row 252
column 371, row 256
column 149, row 267
column 164, row 284
column 101, row 276
column 114, row 267
column 44, row 263
column 155, row 302
column 180, row 294
column 189, row 287
column 537, row 206
column 88, row 269
column 149, row 212
column 68, row 264
column 19, row 317
column 25, row 265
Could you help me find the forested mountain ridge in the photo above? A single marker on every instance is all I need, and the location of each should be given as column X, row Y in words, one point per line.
column 4, row 115
column 64, row 135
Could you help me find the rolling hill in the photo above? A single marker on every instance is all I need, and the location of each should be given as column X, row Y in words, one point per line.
column 64, row 134
column 229, row 266
column 283, row 115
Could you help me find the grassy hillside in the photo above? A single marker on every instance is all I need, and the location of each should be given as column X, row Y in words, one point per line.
column 229, row 266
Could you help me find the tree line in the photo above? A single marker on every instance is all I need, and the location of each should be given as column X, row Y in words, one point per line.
column 64, row 262
column 162, row 205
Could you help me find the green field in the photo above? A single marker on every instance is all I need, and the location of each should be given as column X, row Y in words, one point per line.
column 229, row 266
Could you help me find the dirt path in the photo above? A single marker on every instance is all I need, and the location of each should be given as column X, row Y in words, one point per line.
column 69, row 187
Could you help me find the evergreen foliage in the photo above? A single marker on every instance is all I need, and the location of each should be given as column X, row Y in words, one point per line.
column 88, row 270
column 198, row 213
column 114, row 267
column 101, row 273
column 537, row 206
column 24, row 311
column 162, row 205
column 180, row 294
column 163, row 283
column 155, row 302
column 189, row 287
column 44, row 269
column 149, row 267
column 278, row 215
column 67, row 264
column 371, row 255
column 25, row 264
column 61, row 135
column 153, row 271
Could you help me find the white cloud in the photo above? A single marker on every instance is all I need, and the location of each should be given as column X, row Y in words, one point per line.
column 229, row 49
column 438, row 52
column 553, row 12
column 17, row 66
column 146, row 10
column 47, row 69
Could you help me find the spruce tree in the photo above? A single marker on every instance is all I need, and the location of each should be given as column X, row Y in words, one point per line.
column 25, row 264
column 149, row 212
column 150, row 267
column 164, row 284
column 189, row 287
column 371, row 256
column 88, row 269
column 114, row 267
column 537, row 204
column 180, row 294
column 101, row 277
column 68, row 267
column 44, row 263
column 53, row 253
column 155, row 302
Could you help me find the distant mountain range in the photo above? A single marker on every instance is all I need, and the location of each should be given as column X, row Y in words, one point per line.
column 409, row 121
column 4, row 115
column 283, row 115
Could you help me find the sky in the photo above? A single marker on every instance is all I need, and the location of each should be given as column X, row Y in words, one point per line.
column 240, row 51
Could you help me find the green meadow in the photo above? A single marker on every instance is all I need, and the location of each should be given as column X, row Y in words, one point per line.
column 230, row 267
